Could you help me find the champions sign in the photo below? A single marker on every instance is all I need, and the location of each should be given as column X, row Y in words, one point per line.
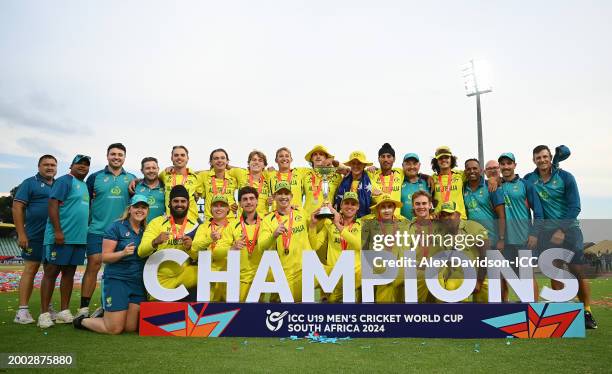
column 452, row 320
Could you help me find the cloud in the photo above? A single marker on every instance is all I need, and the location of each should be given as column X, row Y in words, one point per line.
column 39, row 146
column 9, row 165
column 44, row 118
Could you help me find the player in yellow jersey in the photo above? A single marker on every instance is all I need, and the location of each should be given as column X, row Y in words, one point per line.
column 451, row 223
column 209, row 236
column 218, row 181
column 244, row 235
column 180, row 174
column 422, row 224
column 319, row 156
column 358, row 181
column 343, row 233
column 448, row 181
column 285, row 230
column 386, row 223
column 257, row 177
column 174, row 230
column 293, row 176
column 387, row 179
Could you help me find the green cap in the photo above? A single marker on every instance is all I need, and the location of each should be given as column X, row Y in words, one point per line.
column 509, row 155
column 443, row 151
column 219, row 199
column 350, row 195
column 139, row 199
column 449, row 207
column 411, row 155
column 79, row 158
column 282, row 185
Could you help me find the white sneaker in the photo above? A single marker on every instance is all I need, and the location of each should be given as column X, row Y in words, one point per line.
column 64, row 316
column 52, row 312
column 82, row 312
column 44, row 321
column 23, row 317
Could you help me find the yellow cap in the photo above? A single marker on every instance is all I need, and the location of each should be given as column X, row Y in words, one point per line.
column 443, row 151
column 359, row 156
column 386, row 198
column 317, row 148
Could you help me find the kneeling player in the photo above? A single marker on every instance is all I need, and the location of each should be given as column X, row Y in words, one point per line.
column 122, row 285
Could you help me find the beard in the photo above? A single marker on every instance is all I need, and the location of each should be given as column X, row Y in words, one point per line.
column 179, row 213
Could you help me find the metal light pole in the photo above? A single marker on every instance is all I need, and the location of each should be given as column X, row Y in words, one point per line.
column 476, row 80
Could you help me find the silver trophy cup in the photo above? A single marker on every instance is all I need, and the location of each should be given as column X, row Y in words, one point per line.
column 325, row 172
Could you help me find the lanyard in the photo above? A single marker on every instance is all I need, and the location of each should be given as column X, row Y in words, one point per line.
column 280, row 178
column 261, row 182
column 389, row 188
column 214, row 186
column 287, row 235
column 174, row 178
column 446, row 193
column 250, row 243
column 178, row 235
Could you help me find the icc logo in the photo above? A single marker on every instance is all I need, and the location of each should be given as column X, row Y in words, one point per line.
column 274, row 321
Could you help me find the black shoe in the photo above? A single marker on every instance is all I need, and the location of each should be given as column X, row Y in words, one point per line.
column 78, row 323
column 589, row 321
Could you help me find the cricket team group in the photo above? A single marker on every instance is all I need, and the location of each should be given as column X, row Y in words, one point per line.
column 113, row 218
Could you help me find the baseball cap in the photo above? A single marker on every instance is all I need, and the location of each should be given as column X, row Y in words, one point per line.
column 219, row 199
column 350, row 195
column 79, row 158
column 449, row 207
column 509, row 155
column 359, row 156
column 139, row 199
column 411, row 155
column 282, row 185
column 443, row 151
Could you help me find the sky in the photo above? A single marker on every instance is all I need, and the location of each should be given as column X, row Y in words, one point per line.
column 77, row 76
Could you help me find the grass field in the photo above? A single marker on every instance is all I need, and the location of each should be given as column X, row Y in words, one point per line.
column 132, row 353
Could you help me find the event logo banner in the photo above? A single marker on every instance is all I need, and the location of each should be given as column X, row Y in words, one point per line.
column 462, row 320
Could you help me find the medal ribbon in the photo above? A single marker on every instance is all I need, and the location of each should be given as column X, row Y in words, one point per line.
column 250, row 243
column 389, row 188
column 316, row 191
column 446, row 194
column 174, row 177
column 429, row 228
column 214, row 186
column 178, row 235
column 287, row 235
column 261, row 182
column 280, row 178
column 382, row 228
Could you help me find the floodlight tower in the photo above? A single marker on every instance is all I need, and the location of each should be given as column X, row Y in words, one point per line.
column 476, row 80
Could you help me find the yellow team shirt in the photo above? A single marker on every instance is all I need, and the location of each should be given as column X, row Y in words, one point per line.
column 456, row 191
column 170, row 274
column 224, row 186
column 388, row 184
column 291, row 258
column 313, row 185
column 295, row 177
column 262, row 185
column 191, row 183
column 203, row 241
column 331, row 240
column 249, row 261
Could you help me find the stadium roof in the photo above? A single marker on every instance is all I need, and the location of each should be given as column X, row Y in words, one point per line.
column 603, row 246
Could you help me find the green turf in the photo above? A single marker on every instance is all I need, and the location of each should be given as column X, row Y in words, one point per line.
column 129, row 352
